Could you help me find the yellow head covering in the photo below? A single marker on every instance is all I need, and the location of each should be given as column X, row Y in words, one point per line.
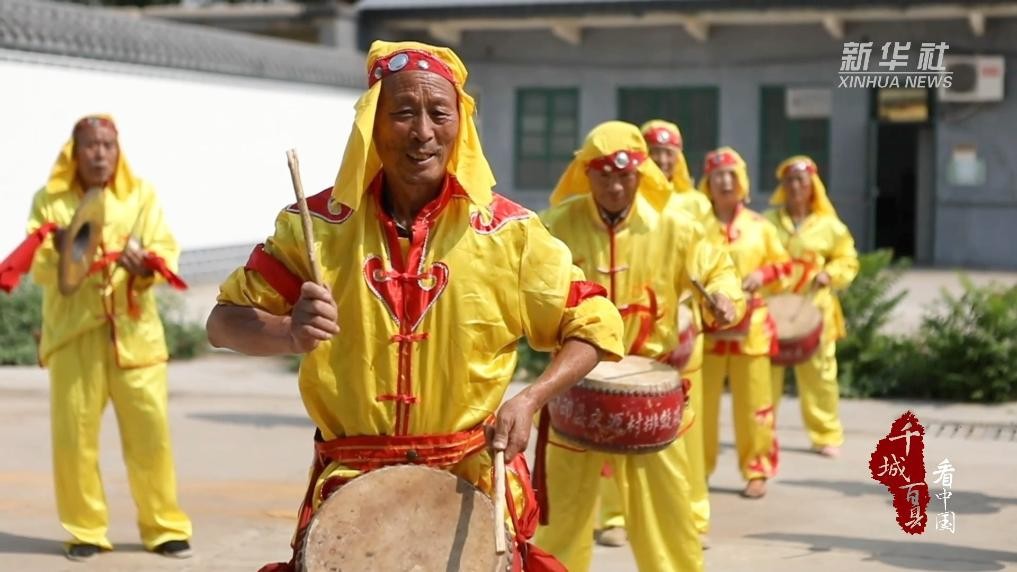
column 361, row 163
column 652, row 130
column 820, row 202
column 607, row 139
column 725, row 158
column 64, row 175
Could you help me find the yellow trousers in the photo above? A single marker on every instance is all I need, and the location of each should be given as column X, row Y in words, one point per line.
column 610, row 502
column 653, row 493
column 83, row 377
column 818, row 395
column 752, row 402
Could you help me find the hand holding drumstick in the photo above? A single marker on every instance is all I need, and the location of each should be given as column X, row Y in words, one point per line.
column 723, row 309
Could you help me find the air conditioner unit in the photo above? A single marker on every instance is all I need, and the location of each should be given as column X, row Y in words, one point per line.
column 974, row 78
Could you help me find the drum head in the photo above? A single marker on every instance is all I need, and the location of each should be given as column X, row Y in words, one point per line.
column 795, row 316
column 633, row 373
column 404, row 518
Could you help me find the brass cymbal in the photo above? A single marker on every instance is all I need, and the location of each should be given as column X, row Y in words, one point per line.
column 80, row 240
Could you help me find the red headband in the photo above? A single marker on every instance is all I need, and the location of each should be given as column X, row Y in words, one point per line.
column 93, row 121
column 619, row 161
column 807, row 166
column 719, row 160
column 408, row 60
column 662, row 136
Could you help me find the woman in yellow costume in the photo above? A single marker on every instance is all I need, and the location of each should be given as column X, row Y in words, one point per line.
column 744, row 359
column 610, row 208
column 104, row 342
column 665, row 144
column 824, row 261
column 429, row 280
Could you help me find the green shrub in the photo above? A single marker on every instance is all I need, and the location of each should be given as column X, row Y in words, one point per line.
column 968, row 346
column 867, row 359
column 531, row 362
column 21, row 324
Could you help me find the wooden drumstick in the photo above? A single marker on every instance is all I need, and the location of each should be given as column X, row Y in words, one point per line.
column 499, row 502
column 305, row 215
column 709, row 298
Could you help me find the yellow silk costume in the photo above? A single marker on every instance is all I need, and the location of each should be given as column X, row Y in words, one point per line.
column 429, row 324
column 645, row 260
column 753, row 245
column 105, row 341
column 820, row 243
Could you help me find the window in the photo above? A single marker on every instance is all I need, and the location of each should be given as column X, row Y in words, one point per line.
column 547, row 134
column 694, row 109
column 782, row 137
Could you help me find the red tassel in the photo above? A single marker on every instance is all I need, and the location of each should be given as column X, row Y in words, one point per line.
column 20, row 261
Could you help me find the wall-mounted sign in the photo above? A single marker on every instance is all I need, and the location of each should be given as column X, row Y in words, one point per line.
column 965, row 168
column 807, row 102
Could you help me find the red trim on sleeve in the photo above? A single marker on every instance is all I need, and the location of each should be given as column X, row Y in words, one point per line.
column 774, row 271
column 280, row 278
column 581, row 290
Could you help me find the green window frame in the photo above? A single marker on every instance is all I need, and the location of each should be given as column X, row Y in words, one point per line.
column 781, row 137
column 547, row 135
column 695, row 109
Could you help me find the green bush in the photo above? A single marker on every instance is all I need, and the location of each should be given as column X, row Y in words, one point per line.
column 867, row 359
column 531, row 362
column 21, row 324
column 967, row 347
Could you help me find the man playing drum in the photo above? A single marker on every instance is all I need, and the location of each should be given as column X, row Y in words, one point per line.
column 610, row 209
column 429, row 281
column 665, row 145
column 742, row 354
column 824, row 260
column 104, row 341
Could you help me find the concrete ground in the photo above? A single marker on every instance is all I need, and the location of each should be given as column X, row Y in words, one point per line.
column 242, row 447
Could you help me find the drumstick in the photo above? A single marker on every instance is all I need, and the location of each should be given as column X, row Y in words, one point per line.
column 499, row 502
column 707, row 295
column 305, row 215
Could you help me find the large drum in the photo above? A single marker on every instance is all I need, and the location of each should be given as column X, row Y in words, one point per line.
column 799, row 328
column 681, row 354
column 631, row 406
column 404, row 518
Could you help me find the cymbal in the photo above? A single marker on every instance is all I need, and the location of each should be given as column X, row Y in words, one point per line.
column 80, row 240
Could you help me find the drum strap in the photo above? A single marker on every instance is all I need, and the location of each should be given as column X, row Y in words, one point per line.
column 369, row 452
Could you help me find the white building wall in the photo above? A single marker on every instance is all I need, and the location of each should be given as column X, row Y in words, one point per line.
column 214, row 146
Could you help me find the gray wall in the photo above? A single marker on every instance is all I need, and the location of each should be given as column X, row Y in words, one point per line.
column 972, row 227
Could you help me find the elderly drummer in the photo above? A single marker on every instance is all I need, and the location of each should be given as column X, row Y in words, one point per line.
column 429, row 281
column 824, row 260
column 664, row 141
column 610, row 208
column 103, row 341
column 741, row 355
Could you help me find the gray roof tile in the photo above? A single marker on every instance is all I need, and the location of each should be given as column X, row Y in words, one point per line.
column 101, row 34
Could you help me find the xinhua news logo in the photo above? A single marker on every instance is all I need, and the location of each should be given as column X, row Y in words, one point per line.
column 893, row 68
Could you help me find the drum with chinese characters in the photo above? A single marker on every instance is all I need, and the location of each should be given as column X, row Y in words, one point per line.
column 631, row 406
column 799, row 328
column 404, row 518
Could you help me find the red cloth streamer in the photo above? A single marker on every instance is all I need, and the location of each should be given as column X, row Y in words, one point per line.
column 20, row 261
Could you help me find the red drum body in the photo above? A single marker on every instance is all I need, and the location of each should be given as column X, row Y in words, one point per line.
column 799, row 328
column 631, row 406
column 681, row 354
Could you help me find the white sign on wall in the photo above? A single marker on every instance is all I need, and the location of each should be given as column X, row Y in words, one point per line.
column 807, row 102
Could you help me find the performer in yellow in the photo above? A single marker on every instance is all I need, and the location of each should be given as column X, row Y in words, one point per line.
column 610, row 209
column 824, row 261
column 744, row 359
column 105, row 342
column 429, row 280
column 666, row 149
column 665, row 145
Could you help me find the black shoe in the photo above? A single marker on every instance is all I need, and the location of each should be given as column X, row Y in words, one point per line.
column 82, row 552
column 174, row 549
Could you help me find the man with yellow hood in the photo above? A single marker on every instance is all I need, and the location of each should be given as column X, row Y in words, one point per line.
column 824, row 260
column 429, row 279
column 105, row 342
column 610, row 209
column 665, row 144
column 741, row 354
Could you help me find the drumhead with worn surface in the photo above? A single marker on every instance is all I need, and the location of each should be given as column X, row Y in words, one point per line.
column 632, row 374
column 404, row 518
column 794, row 315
